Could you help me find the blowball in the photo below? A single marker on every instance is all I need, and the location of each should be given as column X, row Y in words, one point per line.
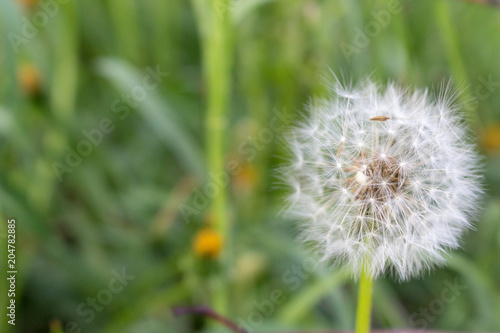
column 383, row 179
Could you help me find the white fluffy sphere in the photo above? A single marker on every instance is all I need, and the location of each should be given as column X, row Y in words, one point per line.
column 383, row 178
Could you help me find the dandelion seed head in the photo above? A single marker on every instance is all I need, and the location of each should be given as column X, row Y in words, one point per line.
column 383, row 178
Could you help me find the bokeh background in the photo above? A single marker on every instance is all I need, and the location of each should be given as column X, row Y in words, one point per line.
column 166, row 94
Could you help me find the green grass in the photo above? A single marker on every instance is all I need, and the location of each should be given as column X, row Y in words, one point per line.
column 120, row 207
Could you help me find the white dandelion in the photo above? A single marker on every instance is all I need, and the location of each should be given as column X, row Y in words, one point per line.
column 383, row 179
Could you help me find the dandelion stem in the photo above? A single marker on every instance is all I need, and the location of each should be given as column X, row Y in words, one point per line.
column 364, row 303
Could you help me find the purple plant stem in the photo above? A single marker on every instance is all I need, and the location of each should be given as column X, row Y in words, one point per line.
column 206, row 311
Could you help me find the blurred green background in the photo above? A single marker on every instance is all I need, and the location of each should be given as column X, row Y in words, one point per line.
column 117, row 117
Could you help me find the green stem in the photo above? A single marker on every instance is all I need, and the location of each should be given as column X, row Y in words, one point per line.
column 364, row 303
column 214, row 19
column 218, row 76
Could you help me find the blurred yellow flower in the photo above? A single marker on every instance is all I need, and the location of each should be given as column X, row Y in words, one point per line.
column 247, row 178
column 28, row 4
column 55, row 326
column 491, row 138
column 29, row 79
column 207, row 243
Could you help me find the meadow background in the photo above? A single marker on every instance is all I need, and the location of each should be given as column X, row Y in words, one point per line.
column 174, row 91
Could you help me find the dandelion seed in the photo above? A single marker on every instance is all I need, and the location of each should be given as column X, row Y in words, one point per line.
column 379, row 118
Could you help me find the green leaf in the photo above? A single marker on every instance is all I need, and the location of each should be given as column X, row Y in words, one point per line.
column 301, row 305
column 157, row 113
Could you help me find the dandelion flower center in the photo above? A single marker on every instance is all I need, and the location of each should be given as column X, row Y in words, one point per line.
column 381, row 179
